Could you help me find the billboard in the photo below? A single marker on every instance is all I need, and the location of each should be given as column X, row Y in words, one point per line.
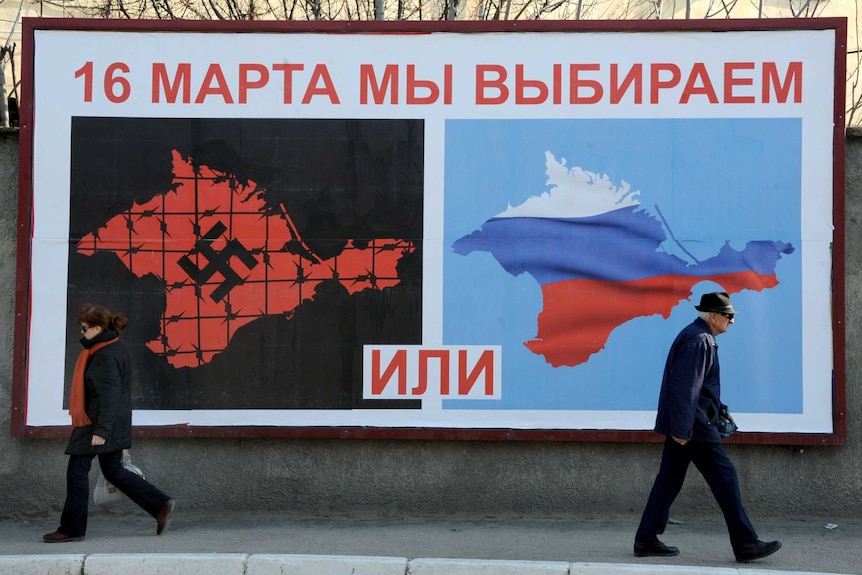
column 411, row 230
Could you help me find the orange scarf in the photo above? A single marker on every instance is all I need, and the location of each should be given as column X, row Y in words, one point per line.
column 76, row 395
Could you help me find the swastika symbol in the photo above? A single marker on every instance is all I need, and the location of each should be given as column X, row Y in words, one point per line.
column 218, row 261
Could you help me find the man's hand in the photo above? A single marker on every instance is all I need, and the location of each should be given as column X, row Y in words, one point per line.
column 97, row 440
column 680, row 440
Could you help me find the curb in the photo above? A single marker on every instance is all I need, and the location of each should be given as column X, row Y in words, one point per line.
column 42, row 564
column 265, row 564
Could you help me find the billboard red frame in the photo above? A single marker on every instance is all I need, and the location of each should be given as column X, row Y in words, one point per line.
column 26, row 224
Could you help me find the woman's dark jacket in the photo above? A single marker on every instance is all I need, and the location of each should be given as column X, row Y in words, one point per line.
column 107, row 399
column 690, row 397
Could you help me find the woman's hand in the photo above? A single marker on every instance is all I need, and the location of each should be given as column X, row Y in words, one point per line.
column 97, row 441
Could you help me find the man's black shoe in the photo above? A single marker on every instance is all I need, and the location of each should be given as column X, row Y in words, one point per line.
column 654, row 549
column 756, row 550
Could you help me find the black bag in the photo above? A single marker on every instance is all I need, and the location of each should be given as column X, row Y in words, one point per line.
column 726, row 426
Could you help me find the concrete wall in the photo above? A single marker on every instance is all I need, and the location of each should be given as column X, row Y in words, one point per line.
column 438, row 476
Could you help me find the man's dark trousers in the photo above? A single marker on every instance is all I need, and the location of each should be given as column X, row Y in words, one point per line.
column 719, row 473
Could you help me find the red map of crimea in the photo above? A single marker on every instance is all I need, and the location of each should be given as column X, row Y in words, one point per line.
column 227, row 259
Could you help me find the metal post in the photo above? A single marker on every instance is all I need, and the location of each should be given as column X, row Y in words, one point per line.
column 4, row 99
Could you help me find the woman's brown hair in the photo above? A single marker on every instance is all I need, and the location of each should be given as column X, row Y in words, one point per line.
column 98, row 315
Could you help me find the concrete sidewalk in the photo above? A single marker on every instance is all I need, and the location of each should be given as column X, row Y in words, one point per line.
column 123, row 540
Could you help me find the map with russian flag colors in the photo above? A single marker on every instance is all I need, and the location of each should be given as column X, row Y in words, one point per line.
column 603, row 259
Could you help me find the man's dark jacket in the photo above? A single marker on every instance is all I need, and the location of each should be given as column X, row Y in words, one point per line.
column 690, row 397
column 107, row 399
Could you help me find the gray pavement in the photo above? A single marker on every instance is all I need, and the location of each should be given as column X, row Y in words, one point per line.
column 810, row 544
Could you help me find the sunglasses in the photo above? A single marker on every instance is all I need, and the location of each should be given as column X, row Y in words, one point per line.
column 727, row 315
column 84, row 329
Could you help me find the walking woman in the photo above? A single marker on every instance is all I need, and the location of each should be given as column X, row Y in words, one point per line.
column 100, row 404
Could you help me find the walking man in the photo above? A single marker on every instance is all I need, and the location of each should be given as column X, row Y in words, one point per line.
column 689, row 412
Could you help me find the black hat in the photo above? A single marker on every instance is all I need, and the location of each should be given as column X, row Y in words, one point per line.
column 717, row 301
